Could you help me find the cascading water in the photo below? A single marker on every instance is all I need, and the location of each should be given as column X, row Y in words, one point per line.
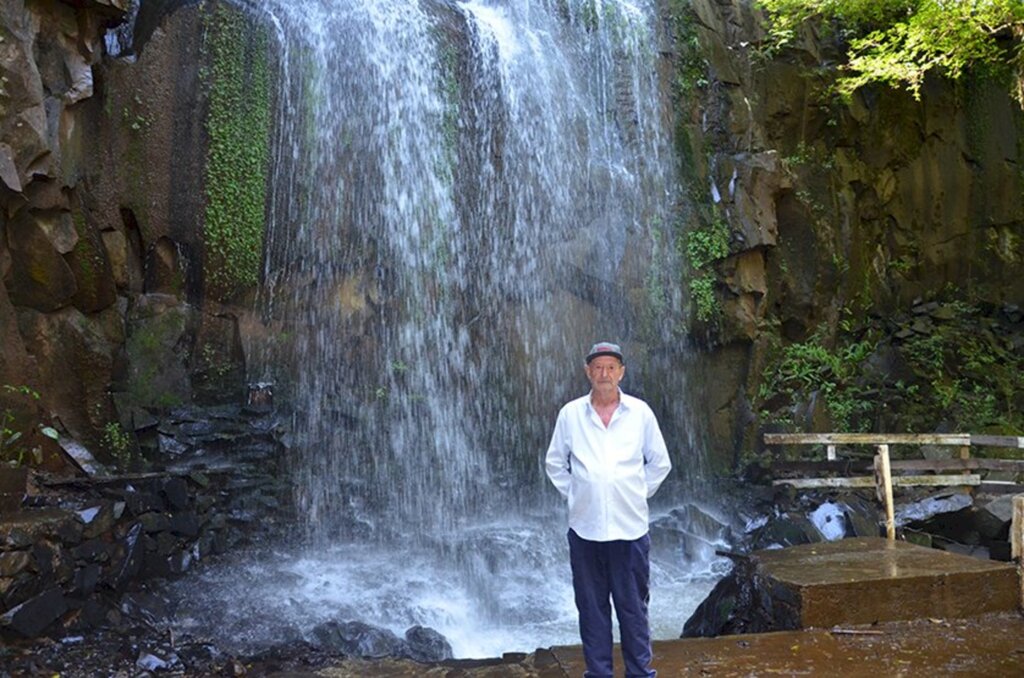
column 465, row 196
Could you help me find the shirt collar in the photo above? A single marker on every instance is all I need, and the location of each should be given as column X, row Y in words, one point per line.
column 622, row 401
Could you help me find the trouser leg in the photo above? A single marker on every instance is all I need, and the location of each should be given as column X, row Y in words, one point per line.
column 629, row 567
column 590, row 584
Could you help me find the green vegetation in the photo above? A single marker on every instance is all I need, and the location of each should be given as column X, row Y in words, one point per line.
column 705, row 244
column 970, row 373
column 811, row 367
column 238, row 125
column 12, row 448
column 691, row 68
column 118, row 444
column 898, row 42
column 953, row 367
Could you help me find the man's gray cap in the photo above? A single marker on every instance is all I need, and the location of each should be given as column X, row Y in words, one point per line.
column 605, row 348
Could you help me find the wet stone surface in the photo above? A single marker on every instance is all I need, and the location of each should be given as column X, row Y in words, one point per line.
column 987, row 645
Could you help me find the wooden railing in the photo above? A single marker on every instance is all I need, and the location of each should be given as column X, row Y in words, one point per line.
column 883, row 479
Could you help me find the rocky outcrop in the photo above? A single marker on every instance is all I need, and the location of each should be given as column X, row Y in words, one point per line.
column 834, row 208
column 102, row 198
column 72, row 552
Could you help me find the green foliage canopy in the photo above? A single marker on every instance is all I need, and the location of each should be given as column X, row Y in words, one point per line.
column 898, row 42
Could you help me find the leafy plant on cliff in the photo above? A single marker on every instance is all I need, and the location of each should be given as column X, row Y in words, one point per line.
column 801, row 369
column 238, row 126
column 898, row 42
column 955, row 368
column 118, row 444
column 703, row 246
column 971, row 375
column 12, row 449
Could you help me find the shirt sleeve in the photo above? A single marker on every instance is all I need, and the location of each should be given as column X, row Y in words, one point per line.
column 656, row 461
column 557, row 460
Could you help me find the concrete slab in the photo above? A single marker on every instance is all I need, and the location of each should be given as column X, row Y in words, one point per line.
column 988, row 645
column 866, row 580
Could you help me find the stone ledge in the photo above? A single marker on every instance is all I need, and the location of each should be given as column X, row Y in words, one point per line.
column 866, row 580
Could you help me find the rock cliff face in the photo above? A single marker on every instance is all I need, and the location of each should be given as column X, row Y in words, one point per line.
column 837, row 212
column 104, row 306
column 112, row 298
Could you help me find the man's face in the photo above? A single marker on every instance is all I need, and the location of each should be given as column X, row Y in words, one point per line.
column 605, row 372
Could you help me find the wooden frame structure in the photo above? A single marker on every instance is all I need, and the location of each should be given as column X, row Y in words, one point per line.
column 883, row 480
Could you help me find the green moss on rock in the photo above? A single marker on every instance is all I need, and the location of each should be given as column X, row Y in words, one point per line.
column 238, row 127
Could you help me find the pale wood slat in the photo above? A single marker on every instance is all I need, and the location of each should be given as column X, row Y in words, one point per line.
column 869, row 481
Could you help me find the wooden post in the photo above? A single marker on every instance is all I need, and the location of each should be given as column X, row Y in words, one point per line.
column 883, row 479
column 1017, row 528
column 1017, row 542
column 831, row 452
column 965, row 453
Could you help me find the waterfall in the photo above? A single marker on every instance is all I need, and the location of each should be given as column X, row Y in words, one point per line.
column 465, row 195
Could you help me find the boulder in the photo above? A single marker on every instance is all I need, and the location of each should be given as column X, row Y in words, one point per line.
column 744, row 601
column 80, row 396
column 96, row 287
column 127, row 561
column 39, row 277
column 786, row 529
column 427, row 645
column 146, row 607
column 927, row 508
column 156, row 349
column 31, row 617
column 358, row 639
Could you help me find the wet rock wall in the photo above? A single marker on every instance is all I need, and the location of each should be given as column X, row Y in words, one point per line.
column 106, row 310
column 834, row 212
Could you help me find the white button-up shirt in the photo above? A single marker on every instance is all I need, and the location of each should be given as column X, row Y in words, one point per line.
column 607, row 473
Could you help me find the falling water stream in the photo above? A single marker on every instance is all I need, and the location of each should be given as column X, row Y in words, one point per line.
column 465, row 195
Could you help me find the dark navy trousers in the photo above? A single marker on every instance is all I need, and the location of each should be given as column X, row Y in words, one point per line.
column 613, row 571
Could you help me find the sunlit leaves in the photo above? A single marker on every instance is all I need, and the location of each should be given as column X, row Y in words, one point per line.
column 898, row 42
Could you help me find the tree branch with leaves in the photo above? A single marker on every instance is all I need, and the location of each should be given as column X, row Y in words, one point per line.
column 899, row 42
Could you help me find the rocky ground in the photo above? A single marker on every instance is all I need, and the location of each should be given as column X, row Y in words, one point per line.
column 987, row 645
column 145, row 652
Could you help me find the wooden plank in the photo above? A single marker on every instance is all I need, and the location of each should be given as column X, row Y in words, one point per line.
column 956, row 439
column 851, row 466
column 882, row 464
column 998, row 441
column 869, row 481
column 818, row 483
column 1000, row 487
column 974, row 463
column 843, row 467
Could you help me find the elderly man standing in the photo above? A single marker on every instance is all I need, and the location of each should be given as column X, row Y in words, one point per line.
column 607, row 457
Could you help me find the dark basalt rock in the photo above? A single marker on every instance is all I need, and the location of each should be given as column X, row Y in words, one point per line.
column 129, row 563
column 427, row 645
column 741, row 602
column 358, row 639
column 146, row 607
column 176, row 491
column 34, row 615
